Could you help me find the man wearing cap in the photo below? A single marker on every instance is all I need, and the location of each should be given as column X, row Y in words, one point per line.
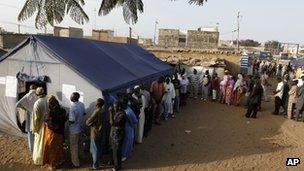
column 39, row 111
column 27, row 103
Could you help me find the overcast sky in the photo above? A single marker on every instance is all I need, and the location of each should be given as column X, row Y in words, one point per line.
column 262, row 20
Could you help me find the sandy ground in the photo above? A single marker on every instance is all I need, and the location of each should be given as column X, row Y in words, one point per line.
column 221, row 138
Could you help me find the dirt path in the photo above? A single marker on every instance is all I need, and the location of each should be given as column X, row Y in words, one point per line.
column 220, row 139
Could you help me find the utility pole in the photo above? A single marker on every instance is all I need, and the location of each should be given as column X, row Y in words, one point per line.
column 238, row 32
column 45, row 30
column 19, row 28
column 130, row 35
column 155, row 30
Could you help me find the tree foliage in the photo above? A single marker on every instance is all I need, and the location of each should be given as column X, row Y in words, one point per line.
column 248, row 43
column 270, row 45
column 53, row 11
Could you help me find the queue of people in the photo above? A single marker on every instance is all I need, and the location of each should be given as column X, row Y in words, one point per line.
column 130, row 119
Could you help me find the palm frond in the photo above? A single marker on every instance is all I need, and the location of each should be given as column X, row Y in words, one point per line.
column 76, row 12
column 197, row 2
column 40, row 21
column 54, row 10
column 108, row 5
column 28, row 9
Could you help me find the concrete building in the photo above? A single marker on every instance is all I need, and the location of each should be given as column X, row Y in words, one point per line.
column 291, row 48
column 146, row 42
column 168, row 37
column 124, row 40
column 199, row 39
column 10, row 40
column 103, row 35
column 68, row 32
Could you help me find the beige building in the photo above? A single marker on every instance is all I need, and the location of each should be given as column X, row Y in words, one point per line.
column 146, row 42
column 168, row 37
column 68, row 32
column 198, row 39
column 9, row 40
column 103, row 35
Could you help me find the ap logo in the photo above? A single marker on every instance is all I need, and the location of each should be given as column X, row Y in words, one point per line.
column 292, row 161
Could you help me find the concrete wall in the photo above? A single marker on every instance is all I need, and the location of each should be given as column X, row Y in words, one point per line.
column 124, row 40
column 9, row 41
column 68, row 32
column 103, row 35
column 202, row 39
column 168, row 37
column 232, row 58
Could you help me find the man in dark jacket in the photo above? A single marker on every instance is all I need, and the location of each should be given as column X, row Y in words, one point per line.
column 300, row 102
column 255, row 99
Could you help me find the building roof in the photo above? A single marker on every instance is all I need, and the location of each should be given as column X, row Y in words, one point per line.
column 108, row 66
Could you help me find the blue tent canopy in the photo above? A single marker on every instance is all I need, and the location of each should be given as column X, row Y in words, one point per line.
column 108, row 66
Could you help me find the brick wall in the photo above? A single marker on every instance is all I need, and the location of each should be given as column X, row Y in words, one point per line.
column 202, row 39
column 168, row 38
column 9, row 41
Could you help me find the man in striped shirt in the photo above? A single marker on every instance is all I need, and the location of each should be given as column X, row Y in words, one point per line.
column 244, row 64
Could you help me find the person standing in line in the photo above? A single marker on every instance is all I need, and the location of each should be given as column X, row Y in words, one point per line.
column 278, row 96
column 147, row 109
column 95, row 122
column 285, row 94
column 54, row 134
column 141, row 101
column 117, row 121
column 130, row 126
column 238, row 90
column 194, row 84
column 292, row 98
column 205, row 82
column 157, row 92
column 169, row 99
column 76, row 123
column 184, row 90
column 177, row 87
column 215, row 85
column 300, row 102
column 255, row 100
column 39, row 111
column 27, row 103
column 229, row 90
column 223, row 86
column 265, row 84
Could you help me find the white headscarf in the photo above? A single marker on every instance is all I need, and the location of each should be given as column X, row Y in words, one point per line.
column 239, row 82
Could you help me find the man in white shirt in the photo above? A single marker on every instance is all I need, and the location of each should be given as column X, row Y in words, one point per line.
column 76, row 121
column 278, row 96
column 27, row 103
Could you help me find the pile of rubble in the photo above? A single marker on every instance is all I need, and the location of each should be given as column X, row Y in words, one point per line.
column 200, row 61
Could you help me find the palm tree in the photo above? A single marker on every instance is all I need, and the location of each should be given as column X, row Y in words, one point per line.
column 53, row 11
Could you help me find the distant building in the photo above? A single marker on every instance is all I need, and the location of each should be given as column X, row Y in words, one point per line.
column 146, row 42
column 68, row 32
column 125, row 40
column 203, row 39
column 168, row 37
column 291, row 48
column 9, row 41
column 103, row 35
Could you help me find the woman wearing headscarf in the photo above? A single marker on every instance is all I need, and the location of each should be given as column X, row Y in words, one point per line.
column 223, row 86
column 229, row 90
column 54, row 133
column 40, row 109
column 95, row 122
column 130, row 126
column 238, row 90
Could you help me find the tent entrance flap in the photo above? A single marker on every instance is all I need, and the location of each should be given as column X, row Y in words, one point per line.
column 24, row 83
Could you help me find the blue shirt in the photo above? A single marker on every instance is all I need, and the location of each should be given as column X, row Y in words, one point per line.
column 76, row 115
